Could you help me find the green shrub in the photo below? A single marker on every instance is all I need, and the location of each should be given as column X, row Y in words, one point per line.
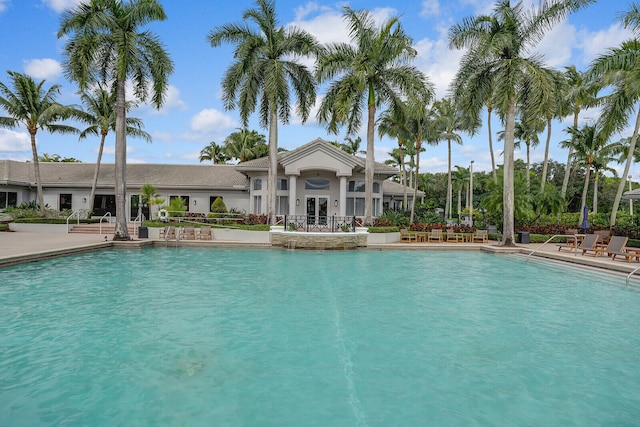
column 218, row 206
column 383, row 229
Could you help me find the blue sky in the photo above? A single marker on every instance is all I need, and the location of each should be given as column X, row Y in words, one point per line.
column 194, row 115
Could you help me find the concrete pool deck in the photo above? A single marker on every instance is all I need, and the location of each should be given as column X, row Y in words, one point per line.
column 22, row 247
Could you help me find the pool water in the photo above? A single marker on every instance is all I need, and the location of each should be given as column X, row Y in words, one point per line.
column 217, row 337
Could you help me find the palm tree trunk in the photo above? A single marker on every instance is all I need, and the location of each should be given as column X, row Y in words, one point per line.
column 447, row 208
column 627, row 166
column 528, row 166
column 272, row 186
column 404, row 176
column 567, row 171
column 96, row 173
column 493, row 160
column 36, row 168
column 415, row 187
column 545, row 164
column 595, row 193
column 370, row 163
column 459, row 202
column 121, row 231
column 508, row 196
column 583, row 202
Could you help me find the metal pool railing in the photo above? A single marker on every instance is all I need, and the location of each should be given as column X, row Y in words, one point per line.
column 573, row 236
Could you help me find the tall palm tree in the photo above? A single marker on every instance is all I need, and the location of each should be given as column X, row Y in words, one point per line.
column 29, row 104
column 448, row 121
column 495, row 66
column 106, row 45
column 580, row 93
column 553, row 106
column 461, row 181
column 213, row 153
column 100, row 115
column 526, row 132
column 266, row 67
column 352, row 145
column 587, row 143
column 374, row 67
column 245, row 145
column 619, row 69
column 392, row 123
column 601, row 164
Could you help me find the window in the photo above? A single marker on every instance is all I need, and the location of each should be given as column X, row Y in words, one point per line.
column 282, row 205
column 317, row 184
column 376, row 205
column 8, row 198
column 355, row 206
column 283, row 184
column 213, row 199
column 257, row 184
column 376, row 187
column 65, row 201
column 356, row 186
column 257, row 205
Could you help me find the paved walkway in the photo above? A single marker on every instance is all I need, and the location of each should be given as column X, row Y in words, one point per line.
column 17, row 247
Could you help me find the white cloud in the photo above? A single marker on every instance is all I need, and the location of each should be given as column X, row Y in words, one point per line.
column 46, row 68
column 438, row 62
column 597, row 43
column 430, row 8
column 172, row 101
column 11, row 140
column 210, row 120
column 557, row 44
column 3, row 5
column 60, row 5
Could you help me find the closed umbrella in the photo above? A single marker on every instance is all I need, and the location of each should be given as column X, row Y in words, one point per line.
column 585, row 215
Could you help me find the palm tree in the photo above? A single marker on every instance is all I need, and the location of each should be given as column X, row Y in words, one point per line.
column 265, row 68
column 601, row 164
column 526, row 132
column 619, row 69
column 100, row 115
column 56, row 158
column 106, row 45
column 495, row 67
column 580, row 93
column 375, row 68
column 448, row 120
column 30, row 105
column 352, row 145
column 461, row 181
column 392, row 123
column 213, row 153
column 245, row 145
column 553, row 106
column 587, row 143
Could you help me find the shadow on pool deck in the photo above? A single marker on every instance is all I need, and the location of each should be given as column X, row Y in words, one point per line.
column 23, row 247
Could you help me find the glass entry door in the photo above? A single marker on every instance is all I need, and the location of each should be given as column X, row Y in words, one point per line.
column 317, row 209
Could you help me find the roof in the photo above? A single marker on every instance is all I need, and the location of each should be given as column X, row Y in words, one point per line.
column 158, row 175
column 392, row 188
column 358, row 163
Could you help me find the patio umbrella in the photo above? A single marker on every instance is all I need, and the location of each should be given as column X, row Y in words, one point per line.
column 585, row 216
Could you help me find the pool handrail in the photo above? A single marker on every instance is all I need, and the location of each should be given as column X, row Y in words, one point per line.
column 631, row 274
column 108, row 214
column 573, row 236
column 76, row 214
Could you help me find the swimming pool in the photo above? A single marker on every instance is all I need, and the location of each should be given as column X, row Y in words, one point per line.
column 193, row 336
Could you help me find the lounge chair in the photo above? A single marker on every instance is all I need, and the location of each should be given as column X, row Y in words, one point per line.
column 452, row 236
column 187, row 233
column 407, row 236
column 205, row 233
column 168, row 233
column 481, row 236
column 435, row 235
column 605, row 236
column 572, row 242
column 615, row 247
column 589, row 242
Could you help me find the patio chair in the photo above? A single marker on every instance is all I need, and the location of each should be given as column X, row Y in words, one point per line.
column 605, row 236
column 407, row 236
column 452, row 236
column 187, row 233
column 435, row 235
column 615, row 247
column 589, row 242
column 168, row 232
column 481, row 236
column 205, row 233
column 571, row 243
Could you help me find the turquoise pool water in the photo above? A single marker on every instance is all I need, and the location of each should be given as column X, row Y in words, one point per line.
column 215, row 337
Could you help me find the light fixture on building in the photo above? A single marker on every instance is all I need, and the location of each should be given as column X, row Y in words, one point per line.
column 335, row 203
column 195, row 202
column 84, row 200
column 297, row 202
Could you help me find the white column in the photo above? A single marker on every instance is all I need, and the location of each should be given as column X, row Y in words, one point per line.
column 293, row 182
column 343, row 196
